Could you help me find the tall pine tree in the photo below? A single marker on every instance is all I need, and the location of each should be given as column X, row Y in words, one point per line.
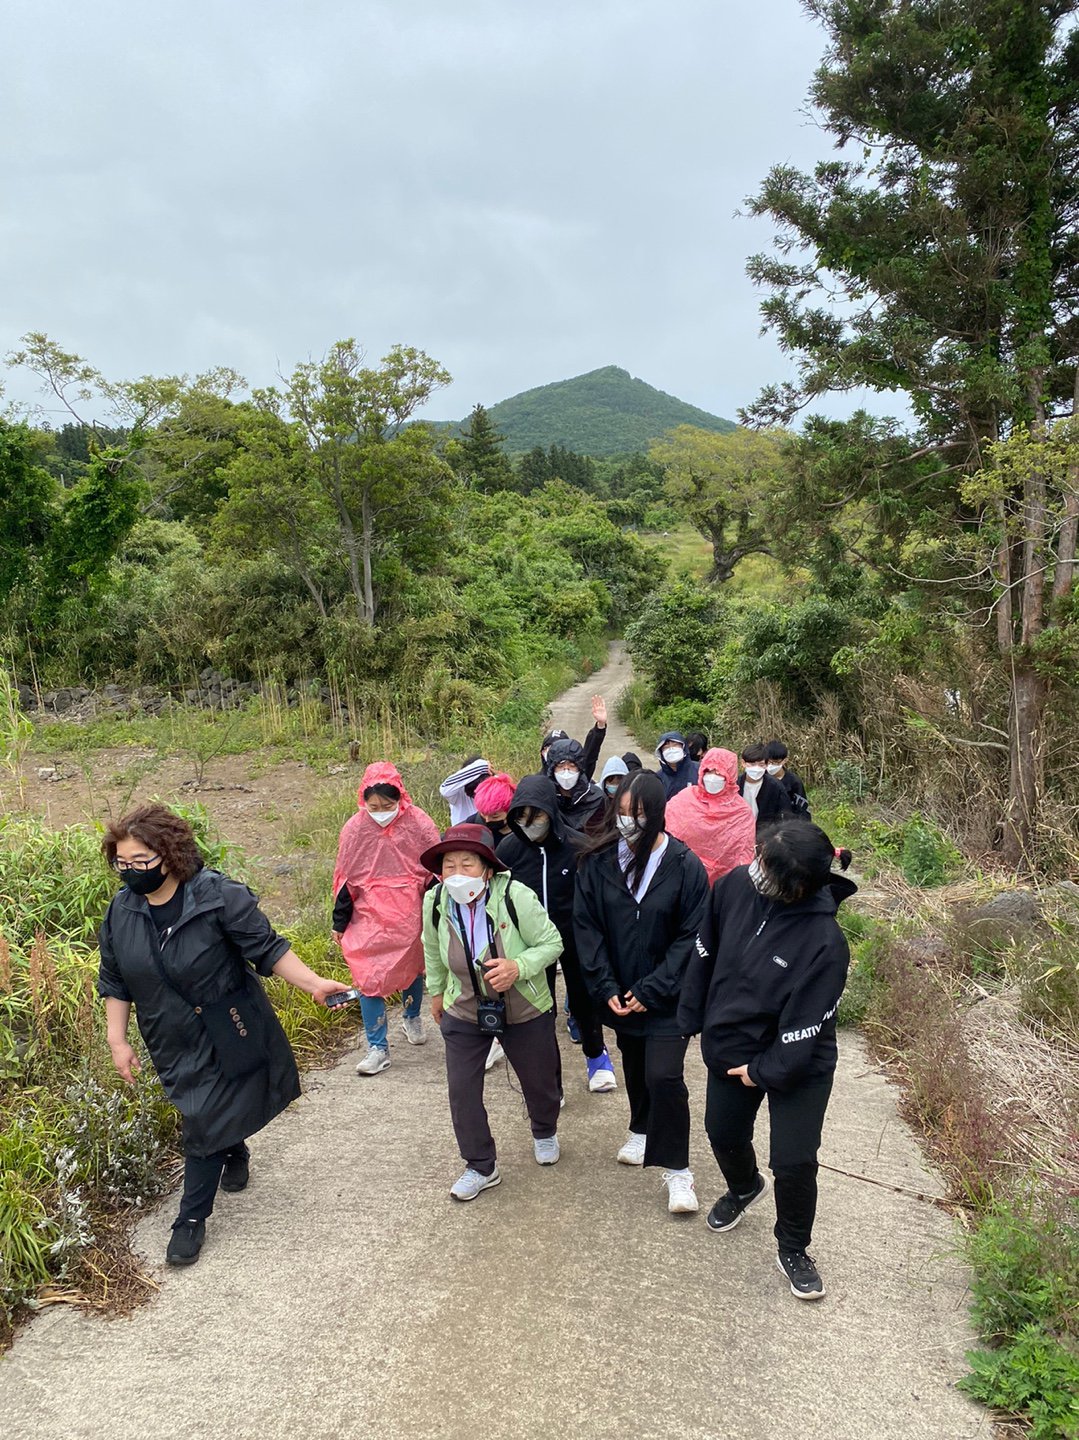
column 950, row 236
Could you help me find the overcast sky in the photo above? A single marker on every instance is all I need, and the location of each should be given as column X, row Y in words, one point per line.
column 526, row 191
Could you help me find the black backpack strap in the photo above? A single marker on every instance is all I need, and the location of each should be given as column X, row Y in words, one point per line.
column 511, row 908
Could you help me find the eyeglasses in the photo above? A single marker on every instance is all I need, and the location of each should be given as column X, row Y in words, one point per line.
column 118, row 864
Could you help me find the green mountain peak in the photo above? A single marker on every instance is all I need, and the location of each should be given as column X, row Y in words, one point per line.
column 603, row 412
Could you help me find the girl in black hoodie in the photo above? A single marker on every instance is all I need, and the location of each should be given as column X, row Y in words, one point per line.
column 763, row 991
column 641, row 895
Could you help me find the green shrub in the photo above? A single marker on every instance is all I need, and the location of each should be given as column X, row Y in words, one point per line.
column 926, row 857
column 868, row 940
column 1035, row 1376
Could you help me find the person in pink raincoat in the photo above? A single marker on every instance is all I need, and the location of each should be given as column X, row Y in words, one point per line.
column 712, row 818
column 378, row 911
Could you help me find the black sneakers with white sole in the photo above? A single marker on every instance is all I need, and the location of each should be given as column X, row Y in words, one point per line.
column 805, row 1282
column 728, row 1210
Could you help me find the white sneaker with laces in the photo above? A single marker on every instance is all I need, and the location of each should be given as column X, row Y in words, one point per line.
column 472, row 1183
column 632, row 1152
column 547, row 1151
column 415, row 1034
column 681, row 1194
column 374, row 1061
column 494, row 1055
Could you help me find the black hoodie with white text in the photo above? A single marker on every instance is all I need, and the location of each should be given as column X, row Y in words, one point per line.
column 764, row 984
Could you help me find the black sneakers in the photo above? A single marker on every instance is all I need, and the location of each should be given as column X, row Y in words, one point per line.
column 236, row 1172
column 185, row 1242
column 799, row 1269
column 728, row 1210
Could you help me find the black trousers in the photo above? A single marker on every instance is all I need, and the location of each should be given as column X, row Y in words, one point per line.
column 202, row 1175
column 797, row 1118
column 580, row 1006
column 531, row 1049
column 654, row 1067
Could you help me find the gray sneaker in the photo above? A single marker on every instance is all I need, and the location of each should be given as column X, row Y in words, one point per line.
column 374, row 1061
column 472, row 1183
column 547, row 1151
column 415, row 1034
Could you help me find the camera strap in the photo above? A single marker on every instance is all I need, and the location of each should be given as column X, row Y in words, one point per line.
column 467, row 944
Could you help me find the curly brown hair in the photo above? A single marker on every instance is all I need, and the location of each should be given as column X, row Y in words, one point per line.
column 163, row 831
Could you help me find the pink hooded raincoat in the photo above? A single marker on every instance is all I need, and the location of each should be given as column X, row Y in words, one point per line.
column 383, row 944
column 719, row 829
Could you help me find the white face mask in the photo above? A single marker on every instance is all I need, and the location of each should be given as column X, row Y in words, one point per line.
column 538, row 829
column 714, row 784
column 775, row 767
column 674, row 754
column 628, row 827
column 762, row 882
column 566, row 778
column 383, row 817
column 465, row 888
column 755, row 773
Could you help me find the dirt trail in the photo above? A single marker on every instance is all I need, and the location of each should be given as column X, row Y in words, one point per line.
column 572, row 711
column 344, row 1294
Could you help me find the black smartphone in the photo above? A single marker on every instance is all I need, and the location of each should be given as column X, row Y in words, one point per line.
column 342, row 997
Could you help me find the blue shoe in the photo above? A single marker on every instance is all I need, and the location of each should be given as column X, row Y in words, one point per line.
column 601, row 1078
column 571, row 1026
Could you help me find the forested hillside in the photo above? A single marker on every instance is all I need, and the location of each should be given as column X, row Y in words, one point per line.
column 308, row 534
column 605, row 412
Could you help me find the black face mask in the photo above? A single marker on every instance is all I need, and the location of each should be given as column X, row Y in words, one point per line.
column 143, row 882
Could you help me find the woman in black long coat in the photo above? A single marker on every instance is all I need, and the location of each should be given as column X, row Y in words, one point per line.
column 184, row 944
column 641, row 896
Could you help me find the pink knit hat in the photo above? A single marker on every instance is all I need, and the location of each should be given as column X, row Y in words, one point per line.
column 494, row 796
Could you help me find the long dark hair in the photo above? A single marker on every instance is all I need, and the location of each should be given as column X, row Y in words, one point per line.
column 797, row 856
column 647, row 798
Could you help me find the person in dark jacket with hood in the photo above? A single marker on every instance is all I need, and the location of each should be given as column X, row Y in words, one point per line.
column 541, row 854
column 579, row 800
column 641, row 895
column 593, row 741
column 177, row 941
column 765, row 796
column 762, row 991
column 676, row 769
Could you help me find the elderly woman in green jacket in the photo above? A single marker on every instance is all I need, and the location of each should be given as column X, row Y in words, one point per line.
column 487, row 943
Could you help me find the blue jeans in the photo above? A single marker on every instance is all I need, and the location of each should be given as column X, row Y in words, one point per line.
column 374, row 1012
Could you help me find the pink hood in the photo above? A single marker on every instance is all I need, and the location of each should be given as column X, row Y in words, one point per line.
column 719, row 829
column 381, row 867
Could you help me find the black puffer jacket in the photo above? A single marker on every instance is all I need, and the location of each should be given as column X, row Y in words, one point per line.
column 763, row 988
column 218, row 944
column 644, row 948
column 548, row 867
column 585, row 802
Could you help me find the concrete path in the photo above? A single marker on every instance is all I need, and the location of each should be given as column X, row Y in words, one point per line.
column 344, row 1294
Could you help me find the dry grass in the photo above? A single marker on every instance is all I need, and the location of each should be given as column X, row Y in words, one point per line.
column 1032, row 1082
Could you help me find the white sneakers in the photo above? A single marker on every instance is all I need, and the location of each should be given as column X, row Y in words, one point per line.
column 632, row 1152
column 681, row 1193
column 375, row 1061
column 415, row 1034
column 495, row 1054
column 472, row 1183
column 547, row 1151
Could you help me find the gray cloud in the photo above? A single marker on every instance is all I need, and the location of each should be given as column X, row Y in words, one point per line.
column 525, row 192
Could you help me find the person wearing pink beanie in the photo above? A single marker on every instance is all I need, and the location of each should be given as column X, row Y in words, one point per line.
column 493, row 798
